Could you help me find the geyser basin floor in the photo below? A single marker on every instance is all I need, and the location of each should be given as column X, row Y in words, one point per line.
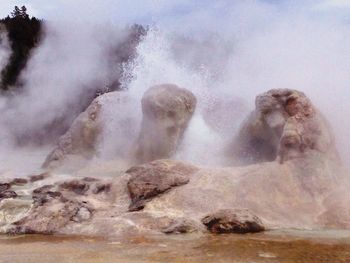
column 271, row 246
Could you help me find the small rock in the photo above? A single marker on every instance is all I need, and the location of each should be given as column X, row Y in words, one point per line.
column 42, row 189
column 19, row 181
column 8, row 194
column 38, row 177
column 99, row 188
column 4, row 187
column 180, row 226
column 238, row 221
column 83, row 214
column 76, row 186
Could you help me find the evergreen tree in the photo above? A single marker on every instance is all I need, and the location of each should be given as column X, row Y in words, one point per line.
column 23, row 12
column 16, row 12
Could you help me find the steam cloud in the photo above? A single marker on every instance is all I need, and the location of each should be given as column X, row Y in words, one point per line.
column 222, row 51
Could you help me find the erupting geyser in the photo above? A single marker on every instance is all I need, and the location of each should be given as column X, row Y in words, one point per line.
column 294, row 181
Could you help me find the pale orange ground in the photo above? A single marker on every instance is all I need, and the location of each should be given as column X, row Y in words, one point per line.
column 267, row 247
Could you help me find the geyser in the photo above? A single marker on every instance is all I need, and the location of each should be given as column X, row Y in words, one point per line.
column 171, row 195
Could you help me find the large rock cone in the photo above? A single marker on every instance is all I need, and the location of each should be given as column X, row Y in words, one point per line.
column 167, row 110
column 87, row 130
column 283, row 126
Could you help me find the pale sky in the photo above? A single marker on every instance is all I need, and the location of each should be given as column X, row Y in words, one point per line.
column 152, row 10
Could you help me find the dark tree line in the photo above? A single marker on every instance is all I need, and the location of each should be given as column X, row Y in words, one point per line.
column 24, row 34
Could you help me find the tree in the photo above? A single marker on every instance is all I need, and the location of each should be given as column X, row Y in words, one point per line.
column 20, row 12
column 23, row 12
column 16, row 12
column 24, row 35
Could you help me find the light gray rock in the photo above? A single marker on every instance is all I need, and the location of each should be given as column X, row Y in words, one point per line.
column 167, row 110
column 91, row 127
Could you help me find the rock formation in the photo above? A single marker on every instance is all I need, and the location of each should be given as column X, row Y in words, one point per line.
column 167, row 110
column 283, row 126
column 86, row 132
column 296, row 181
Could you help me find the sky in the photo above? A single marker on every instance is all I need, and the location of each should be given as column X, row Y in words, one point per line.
column 148, row 11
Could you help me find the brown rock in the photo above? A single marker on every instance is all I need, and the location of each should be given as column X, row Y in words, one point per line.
column 19, row 181
column 167, row 110
column 154, row 178
column 284, row 126
column 99, row 188
column 233, row 221
column 76, row 186
column 7, row 194
column 4, row 187
column 38, row 177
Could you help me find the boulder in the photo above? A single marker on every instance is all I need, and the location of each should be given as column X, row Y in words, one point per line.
column 167, row 110
column 284, row 125
column 152, row 179
column 240, row 221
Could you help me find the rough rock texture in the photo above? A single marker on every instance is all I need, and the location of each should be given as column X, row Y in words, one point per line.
column 305, row 187
column 86, row 132
column 233, row 221
column 167, row 110
column 151, row 179
column 284, row 125
column 59, row 204
column 5, row 191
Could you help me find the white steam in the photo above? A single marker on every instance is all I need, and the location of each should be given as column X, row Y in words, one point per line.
column 225, row 52
column 68, row 63
column 265, row 47
column 5, row 50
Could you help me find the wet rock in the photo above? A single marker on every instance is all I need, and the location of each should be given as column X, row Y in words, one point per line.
column 43, row 189
column 76, row 186
column 149, row 180
column 48, row 218
column 4, row 187
column 19, row 181
column 44, row 194
column 284, row 126
column 167, row 110
column 100, row 188
column 233, row 221
column 38, row 177
column 181, row 226
column 8, row 194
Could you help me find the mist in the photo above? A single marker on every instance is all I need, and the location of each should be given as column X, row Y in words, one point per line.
column 224, row 52
column 4, row 48
column 304, row 47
